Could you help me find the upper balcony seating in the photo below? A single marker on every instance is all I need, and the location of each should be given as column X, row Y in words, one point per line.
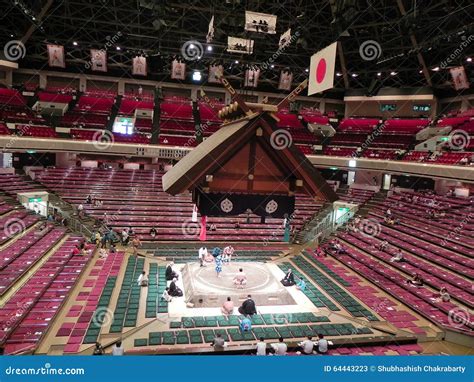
column 339, row 151
column 94, row 104
column 100, row 93
column 87, row 120
column 11, row 97
column 451, row 121
column 177, row 111
column 416, row 156
column 90, row 135
column 288, row 120
column 345, row 139
column 36, row 131
column 392, row 141
column 380, row 154
column 171, row 126
column 128, row 106
column 405, row 126
column 208, row 114
column 20, row 115
column 467, row 126
column 144, row 125
column 61, row 89
column 54, row 97
column 467, row 113
column 358, row 125
column 177, row 140
column 4, row 130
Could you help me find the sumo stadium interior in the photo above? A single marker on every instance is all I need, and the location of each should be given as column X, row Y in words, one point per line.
column 364, row 190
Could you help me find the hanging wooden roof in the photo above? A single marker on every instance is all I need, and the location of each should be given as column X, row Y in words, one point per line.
column 246, row 157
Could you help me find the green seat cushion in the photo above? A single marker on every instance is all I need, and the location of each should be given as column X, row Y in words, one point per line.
column 140, row 342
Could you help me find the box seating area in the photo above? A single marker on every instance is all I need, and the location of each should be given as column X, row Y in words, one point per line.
column 23, row 258
column 430, row 248
column 177, row 140
column 416, row 156
column 11, row 224
column 36, row 131
column 208, row 115
column 385, row 308
column 172, row 127
column 11, row 97
column 380, row 154
column 354, row 195
column 450, row 158
column 360, row 258
column 88, row 313
column 86, row 120
column 339, row 151
column 179, row 110
column 135, row 198
column 94, row 104
column 27, row 315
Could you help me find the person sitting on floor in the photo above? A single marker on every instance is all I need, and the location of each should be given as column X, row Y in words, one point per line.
column 228, row 307
column 142, row 279
column 218, row 343
column 103, row 253
column 307, row 346
column 398, row 258
column 289, row 279
column 202, row 255
column 248, row 307
column 174, row 290
column 213, row 227
column 322, row 344
column 261, row 347
column 301, row 285
column 246, row 325
column 417, row 280
column 383, row 245
column 98, row 350
column 153, row 232
column 166, row 295
column 170, row 274
column 240, row 279
column 117, row 348
column 280, row 348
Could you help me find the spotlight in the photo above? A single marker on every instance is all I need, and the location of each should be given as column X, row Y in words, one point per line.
column 236, row 61
column 197, row 76
column 435, row 69
column 209, row 48
column 272, row 66
column 469, row 59
column 354, row 75
column 118, row 48
column 74, row 43
column 393, row 73
column 379, row 74
column 306, row 70
column 338, row 74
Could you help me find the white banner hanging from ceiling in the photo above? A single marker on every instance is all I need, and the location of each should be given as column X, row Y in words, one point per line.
column 56, row 56
column 251, row 77
column 260, row 22
column 239, row 45
column 285, row 39
column 215, row 71
column 210, row 31
column 286, row 78
column 99, row 60
column 139, row 67
column 460, row 80
column 178, row 70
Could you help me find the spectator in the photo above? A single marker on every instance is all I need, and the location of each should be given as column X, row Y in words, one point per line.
column 117, row 348
column 307, row 346
column 301, row 285
column 218, row 343
column 125, row 237
column 417, row 280
column 383, row 245
column 98, row 350
column 444, row 295
column 202, row 255
column 398, row 258
column 213, row 227
column 174, row 290
column 279, row 348
column 153, row 232
column 170, row 274
column 245, row 325
column 228, row 307
column 142, row 279
column 322, row 345
column 261, row 347
column 289, row 279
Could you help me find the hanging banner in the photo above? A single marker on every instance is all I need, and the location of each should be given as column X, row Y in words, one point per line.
column 178, row 70
column 56, row 56
column 139, row 67
column 239, row 45
column 210, row 31
column 285, row 39
column 98, row 60
column 286, row 79
column 215, row 71
column 460, row 80
column 251, row 77
column 260, row 22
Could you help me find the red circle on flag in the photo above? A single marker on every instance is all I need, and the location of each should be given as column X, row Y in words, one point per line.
column 321, row 70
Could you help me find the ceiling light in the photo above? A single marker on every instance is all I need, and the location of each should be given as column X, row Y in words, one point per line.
column 118, row 48
column 469, row 59
column 74, row 43
column 209, row 48
column 379, row 74
column 197, row 76
column 393, row 73
column 435, row 69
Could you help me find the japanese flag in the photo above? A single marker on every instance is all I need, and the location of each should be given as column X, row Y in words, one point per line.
column 321, row 71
